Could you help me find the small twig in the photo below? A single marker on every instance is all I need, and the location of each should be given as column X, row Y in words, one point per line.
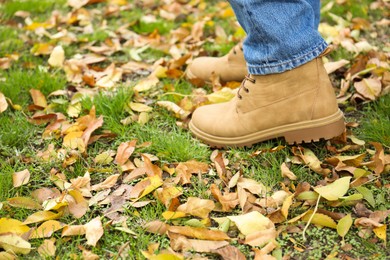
column 311, row 218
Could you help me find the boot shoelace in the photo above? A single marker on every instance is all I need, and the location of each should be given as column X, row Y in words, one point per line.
column 247, row 78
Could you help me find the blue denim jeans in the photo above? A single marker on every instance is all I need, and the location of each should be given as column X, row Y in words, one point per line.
column 281, row 35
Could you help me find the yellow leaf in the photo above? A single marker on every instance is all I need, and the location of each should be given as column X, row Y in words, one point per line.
column 21, row 178
column 41, row 216
column 139, row 107
column 47, row 229
column 320, row 219
column 177, row 110
column 334, row 190
column 197, row 207
column 9, row 225
column 344, row 225
column 199, row 233
column 7, row 256
column 173, row 215
column 286, row 172
column 381, row 232
column 24, row 202
column 286, row 205
column 57, row 57
column 146, row 84
column 3, row 103
column 14, row 243
column 251, row 222
column 223, row 95
column 75, row 230
column 155, row 182
column 73, row 140
column 104, row 158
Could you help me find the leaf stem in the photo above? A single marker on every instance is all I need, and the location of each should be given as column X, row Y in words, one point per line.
column 311, row 218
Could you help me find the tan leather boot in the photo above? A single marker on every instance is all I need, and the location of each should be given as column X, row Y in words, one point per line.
column 231, row 67
column 299, row 105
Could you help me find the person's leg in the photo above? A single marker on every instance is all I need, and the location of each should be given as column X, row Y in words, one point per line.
column 288, row 92
column 281, row 35
column 232, row 67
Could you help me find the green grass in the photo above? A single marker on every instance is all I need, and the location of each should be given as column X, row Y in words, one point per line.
column 375, row 124
column 20, row 141
column 9, row 8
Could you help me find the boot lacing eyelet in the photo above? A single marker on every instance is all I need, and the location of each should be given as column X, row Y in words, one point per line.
column 247, row 78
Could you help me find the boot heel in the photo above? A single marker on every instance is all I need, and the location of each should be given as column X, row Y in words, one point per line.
column 315, row 133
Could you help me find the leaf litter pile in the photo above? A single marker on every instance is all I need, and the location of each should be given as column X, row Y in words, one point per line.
column 235, row 216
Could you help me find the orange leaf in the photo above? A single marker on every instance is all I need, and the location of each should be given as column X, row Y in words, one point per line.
column 125, row 150
column 47, row 229
column 197, row 207
column 24, row 202
column 38, row 98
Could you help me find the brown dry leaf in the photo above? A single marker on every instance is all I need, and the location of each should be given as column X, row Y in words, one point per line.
column 369, row 88
column 197, row 207
column 331, row 67
column 47, row 248
column 113, row 75
column 146, row 186
column 151, row 169
column 93, row 231
column 230, row 252
column 107, row 183
column 88, row 255
column 228, row 201
column 156, row 227
column 9, row 225
column 77, row 205
column 92, row 126
column 185, row 170
column 260, row 238
column 14, row 243
column 46, row 229
column 263, row 254
column 367, row 222
column 199, row 233
column 166, row 194
column 286, row 172
column 125, row 150
column 287, row 204
column 3, row 103
column 21, row 178
column 38, row 98
column 146, row 84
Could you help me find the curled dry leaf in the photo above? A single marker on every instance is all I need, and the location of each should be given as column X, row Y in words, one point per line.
column 107, row 183
column 286, row 172
column 369, row 88
column 228, row 201
column 125, row 150
column 178, row 111
column 21, row 178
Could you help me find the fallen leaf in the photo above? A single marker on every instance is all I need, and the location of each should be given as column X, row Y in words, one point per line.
column 125, row 150
column 38, row 98
column 47, row 248
column 319, row 219
column 230, row 252
column 14, row 243
column 344, row 225
column 107, row 183
column 93, row 231
column 156, row 227
column 199, row 233
column 9, row 225
column 21, row 178
column 286, row 172
column 41, row 216
column 3, row 103
column 197, row 207
column 369, row 88
column 251, row 222
column 57, row 57
column 46, row 229
column 24, row 202
column 334, row 190
column 381, row 232
column 73, row 230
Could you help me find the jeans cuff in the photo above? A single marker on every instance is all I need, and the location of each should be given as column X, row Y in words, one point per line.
column 290, row 64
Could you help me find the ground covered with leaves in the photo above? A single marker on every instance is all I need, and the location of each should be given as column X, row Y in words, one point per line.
column 96, row 160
